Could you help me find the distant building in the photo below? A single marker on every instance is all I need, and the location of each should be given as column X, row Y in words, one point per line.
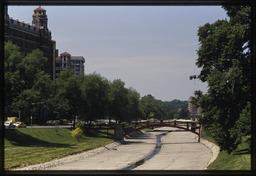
column 32, row 36
column 66, row 61
column 77, row 64
column 193, row 109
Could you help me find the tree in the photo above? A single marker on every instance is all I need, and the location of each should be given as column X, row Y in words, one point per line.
column 242, row 126
column 30, row 66
column 182, row 114
column 169, row 110
column 13, row 82
column 134, row 110
column 67, row 100
column 25, row 83
column 148, row 107
column 196, row 100
column 153, row 107
column 95, row 96
column 77, row 133
column 118, row 100
column 224, row 57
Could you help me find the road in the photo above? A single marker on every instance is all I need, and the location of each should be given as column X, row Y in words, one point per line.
column 179, row 151
column 41, row 126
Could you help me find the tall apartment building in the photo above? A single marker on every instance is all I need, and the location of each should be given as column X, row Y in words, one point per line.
column 193, row 109
column 32, row 36
column 77, row 64
column 66, row 61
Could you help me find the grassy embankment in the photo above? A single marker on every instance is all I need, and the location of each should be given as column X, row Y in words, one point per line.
column 30, row 146
column 239, row 159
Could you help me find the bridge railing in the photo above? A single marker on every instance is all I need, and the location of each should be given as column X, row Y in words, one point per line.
column 188, row 125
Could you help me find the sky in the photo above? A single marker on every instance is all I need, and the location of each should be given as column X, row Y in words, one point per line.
column 153, row 49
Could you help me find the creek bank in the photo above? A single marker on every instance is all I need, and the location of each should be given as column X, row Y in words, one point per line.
column 214, row 149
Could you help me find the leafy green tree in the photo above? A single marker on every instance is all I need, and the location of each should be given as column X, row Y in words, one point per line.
column 26, row 103
column 242, row 126
column 148, row 105
column 182, row 114
column 153, row 108
column 169, row 110
column 67, row 100
column 224, row 57
column 25, row 83
column 172, row 108
column 176, row 104
column 159, row 113
column 134, row 110
column 30, row 66
column 95, row 96
column 118, row 97
column 12, row 78
column 196, row 100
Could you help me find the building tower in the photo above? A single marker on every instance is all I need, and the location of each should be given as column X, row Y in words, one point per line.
column 65, row 60
column 40, row 18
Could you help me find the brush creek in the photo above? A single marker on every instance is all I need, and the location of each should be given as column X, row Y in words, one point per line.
column 164, row 148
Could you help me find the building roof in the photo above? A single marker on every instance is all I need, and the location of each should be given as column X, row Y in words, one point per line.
column 39, row 9
column 65, row 53
column 77, row 58
column 58, row 59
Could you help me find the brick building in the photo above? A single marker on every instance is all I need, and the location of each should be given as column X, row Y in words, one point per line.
column 32, row 36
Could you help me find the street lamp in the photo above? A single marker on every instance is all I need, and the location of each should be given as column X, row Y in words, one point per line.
column 31, row 120
column 37, row 103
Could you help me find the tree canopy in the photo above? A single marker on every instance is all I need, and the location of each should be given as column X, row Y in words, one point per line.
column 224, row 57
column 30, row 91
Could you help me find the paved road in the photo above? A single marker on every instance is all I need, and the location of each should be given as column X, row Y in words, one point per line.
column 42, row 126
column 180, row 151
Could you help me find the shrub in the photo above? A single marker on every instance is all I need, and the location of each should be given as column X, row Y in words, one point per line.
column 242, row 126
column 77, row 133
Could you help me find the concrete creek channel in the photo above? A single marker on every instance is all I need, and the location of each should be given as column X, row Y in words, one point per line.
column 155, row 151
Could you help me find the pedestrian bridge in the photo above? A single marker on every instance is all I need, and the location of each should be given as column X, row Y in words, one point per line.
column 187, row 125
column 125, row 128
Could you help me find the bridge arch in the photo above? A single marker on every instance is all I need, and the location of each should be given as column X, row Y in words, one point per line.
column 164, row 125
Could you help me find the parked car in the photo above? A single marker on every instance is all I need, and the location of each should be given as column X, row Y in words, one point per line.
column 9, row 125
column 20, row 124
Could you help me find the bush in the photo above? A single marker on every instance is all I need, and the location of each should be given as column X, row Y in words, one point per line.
column 79, row 125
column 242, row 126
column 77, row 133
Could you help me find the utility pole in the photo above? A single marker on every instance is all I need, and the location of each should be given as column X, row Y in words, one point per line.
column 31, row 120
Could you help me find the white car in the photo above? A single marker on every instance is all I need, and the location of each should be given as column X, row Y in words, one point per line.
column 9, row 125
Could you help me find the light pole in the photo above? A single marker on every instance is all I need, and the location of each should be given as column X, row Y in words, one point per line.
column 37, row 103
column 31, row 120
column 19, row 116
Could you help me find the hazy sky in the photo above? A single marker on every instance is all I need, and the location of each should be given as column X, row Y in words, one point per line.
column 152, row 49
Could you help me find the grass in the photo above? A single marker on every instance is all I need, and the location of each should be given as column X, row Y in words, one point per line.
column 30, row 146
column 240, row 159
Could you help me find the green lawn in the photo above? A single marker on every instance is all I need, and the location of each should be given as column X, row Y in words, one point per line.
column 240, row 159
column 29, row 146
